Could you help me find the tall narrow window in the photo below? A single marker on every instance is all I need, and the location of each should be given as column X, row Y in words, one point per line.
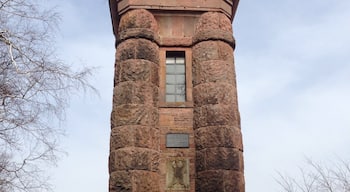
column 175, row 76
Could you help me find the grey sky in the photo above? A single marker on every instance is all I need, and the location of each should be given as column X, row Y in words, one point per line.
column 293, row 73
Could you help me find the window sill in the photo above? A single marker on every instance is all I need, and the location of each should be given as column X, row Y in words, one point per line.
column 175, row 104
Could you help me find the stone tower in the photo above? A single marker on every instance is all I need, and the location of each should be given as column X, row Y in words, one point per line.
column 175, row 120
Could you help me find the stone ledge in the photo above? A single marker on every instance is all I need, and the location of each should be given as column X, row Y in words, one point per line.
column 214, row 35
column 138, row 33
column 228, row 7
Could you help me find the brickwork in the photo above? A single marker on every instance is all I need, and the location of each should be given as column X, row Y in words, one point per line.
column 176, row 120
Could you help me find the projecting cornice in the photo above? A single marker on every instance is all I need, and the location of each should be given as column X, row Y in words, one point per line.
column 118, row 7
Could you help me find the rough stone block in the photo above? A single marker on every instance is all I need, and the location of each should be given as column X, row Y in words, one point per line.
column 234, row 181
column 220, row 180
column 133, row 114
column 210, row 181
column 134, row 181
column 214, row 26
column 219, row 158
column 200, row 160
column 216, row 115
column 145, row 181
column 214, row 93
column 136, row 70
column 218, row 136
column 147, row 137
column 137, row 49
column 126, row 50
column 214, row 21
column 212, row 50
column 139, row 19
column 134, row 158
column 134, row 136
column 135, row 92
column 120, row 181
column 213, row 71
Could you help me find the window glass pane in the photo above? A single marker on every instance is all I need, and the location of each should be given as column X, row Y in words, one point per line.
column 180, row 69
column 170, row 60
column 180, row 79
column 180, row 98
column 170, row 89
column 170, row 98
column 180, row 60
column 180, row 89
column 170, row 79
column 170, row 69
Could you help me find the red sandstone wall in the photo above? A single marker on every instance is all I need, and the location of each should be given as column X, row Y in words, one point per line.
column 139, row 159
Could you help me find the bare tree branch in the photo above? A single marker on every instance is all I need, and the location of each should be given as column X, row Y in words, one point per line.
column 318, row 177
column 35, row 87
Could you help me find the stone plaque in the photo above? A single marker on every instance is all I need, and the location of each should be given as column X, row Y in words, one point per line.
column 177, row 174
column 177, row 140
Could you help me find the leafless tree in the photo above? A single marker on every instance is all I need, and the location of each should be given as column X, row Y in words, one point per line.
column 319, row 177
column 35, row 86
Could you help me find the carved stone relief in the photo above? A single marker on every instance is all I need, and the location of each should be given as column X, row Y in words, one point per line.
column 177, row 176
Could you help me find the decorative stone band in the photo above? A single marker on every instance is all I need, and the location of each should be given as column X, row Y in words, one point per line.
column 228, row 7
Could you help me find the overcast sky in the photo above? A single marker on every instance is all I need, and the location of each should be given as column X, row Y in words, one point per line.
column 292, row 62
